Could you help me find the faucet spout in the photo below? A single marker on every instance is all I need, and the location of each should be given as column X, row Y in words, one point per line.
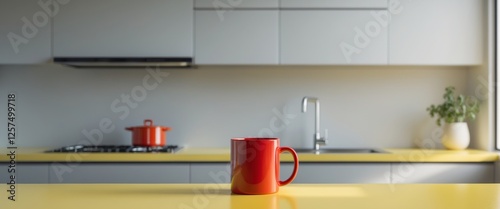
column 305, row 101
column 317, row 135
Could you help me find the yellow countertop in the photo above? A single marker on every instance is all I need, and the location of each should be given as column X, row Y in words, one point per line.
column 222, row 155
column 218, row 196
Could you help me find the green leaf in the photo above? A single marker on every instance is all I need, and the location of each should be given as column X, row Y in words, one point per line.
column 454, row 108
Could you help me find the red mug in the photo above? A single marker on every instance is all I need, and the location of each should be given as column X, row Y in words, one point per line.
column 255, row 165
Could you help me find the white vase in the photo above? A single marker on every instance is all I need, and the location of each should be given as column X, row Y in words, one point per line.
column 456, row 136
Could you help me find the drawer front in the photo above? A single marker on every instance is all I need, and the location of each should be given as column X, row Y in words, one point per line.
column 335, row 4
column 233, row 4
column 119, row 173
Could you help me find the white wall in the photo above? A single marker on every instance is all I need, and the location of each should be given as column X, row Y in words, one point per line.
column 481, row 85
column 366, row 106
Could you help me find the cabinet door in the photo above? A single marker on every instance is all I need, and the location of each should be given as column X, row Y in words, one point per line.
column 497, row 172
column 25, row 173
column 25, row 32
column 227, row 5
column 328, row 37
column 334, row 4
column 236, row 37
column 349, row 173
column 215, row 173
column 443, row 173
column 442, row 32
column 119, row 173
column 124, row 28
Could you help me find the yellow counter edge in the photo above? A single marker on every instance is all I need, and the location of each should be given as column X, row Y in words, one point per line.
column 208, row 155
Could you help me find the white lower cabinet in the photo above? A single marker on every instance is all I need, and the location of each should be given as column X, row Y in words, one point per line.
column 119, row 173
column 308, row 172
column 317, row 173
column 334, row 4
column 24, row 173
column 210, row 173
column 497, row 172
column 229, row 5
column 443, row 173
column 348, row 173
column 363, row 173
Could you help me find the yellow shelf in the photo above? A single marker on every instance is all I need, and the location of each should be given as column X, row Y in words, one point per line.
column 218, row 196
column 222, row 155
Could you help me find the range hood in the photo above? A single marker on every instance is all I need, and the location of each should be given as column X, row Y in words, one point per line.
column 125, row 62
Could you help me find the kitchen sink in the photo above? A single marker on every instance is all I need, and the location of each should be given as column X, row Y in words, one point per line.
column 339, row 151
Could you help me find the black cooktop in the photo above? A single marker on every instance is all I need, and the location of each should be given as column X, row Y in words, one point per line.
column 117, row 148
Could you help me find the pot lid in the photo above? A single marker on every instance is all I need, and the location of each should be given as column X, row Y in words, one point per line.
column 148, row 123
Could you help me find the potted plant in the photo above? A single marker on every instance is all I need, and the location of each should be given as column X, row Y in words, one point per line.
column 454, row 111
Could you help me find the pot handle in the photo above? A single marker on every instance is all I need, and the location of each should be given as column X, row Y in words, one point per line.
column 148, row 121
column 128, row 128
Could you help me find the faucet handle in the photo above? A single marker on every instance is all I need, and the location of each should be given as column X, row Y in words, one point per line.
column 324, row 139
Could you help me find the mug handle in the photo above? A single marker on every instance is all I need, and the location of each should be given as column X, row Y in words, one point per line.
column 295, row 165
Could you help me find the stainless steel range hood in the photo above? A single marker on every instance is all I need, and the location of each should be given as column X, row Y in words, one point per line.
column 125, row 62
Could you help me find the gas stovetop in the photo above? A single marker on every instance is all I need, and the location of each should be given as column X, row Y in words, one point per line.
column 117, row 149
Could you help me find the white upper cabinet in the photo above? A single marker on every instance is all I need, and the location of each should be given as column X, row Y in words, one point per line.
column 247, row 32
column 436, row 32
column 124, row 28
column 333, row 37
column 236, row 37
column 234, row 4
column 334, row 4
column 25, row 31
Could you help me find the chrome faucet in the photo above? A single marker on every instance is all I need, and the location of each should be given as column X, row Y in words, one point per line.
column 318, row 140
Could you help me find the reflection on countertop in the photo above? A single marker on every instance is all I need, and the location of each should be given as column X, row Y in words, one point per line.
column 54, row 196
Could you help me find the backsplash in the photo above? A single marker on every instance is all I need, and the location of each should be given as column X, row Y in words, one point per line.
column 361, row 106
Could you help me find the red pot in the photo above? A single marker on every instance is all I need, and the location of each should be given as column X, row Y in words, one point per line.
column 149, row 135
